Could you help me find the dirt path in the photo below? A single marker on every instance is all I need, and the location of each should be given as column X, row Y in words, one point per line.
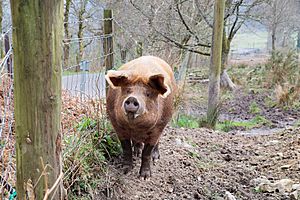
column 201, row 164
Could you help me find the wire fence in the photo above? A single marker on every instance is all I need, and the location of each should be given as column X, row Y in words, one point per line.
column 83, row 94
column 7, row 134
column 84, row 89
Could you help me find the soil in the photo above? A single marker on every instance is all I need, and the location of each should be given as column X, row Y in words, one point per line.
column 238, row 107
column 202, row 164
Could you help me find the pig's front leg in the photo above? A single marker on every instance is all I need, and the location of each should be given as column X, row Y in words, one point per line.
column 155, row 153
column 145, row 171
column 127, row 155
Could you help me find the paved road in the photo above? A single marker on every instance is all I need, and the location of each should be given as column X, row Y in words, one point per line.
column 85, row 85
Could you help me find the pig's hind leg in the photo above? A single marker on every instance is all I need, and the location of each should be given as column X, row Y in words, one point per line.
column 127, row 155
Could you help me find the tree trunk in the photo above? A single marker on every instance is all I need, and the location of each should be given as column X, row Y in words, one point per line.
column 225, row 81
column 139, row 49
column 108, row 40
column 80, row 35
column 215, row 65
column 298, row 41
column 273, row 38
column 123, row 56
column 37, row 41
column 67, row 34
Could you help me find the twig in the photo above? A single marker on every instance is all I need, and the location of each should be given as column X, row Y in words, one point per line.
column 49, row 191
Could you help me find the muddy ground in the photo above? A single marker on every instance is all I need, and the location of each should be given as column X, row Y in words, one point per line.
column 205, row 164
column 202, row 164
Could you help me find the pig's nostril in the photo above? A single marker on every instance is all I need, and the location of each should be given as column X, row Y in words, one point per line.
column 131, row 105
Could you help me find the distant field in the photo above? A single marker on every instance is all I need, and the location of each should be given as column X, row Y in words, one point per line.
column 250, row 40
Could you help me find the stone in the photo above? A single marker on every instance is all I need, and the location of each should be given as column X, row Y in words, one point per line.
column 296, row 186
column 229, row 196
column 295, row 195
column 284, row 185
column 285, row 167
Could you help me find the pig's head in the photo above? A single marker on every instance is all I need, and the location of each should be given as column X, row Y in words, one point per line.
column 138, row 99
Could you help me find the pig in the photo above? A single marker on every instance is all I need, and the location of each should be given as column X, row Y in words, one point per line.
column 139, row 105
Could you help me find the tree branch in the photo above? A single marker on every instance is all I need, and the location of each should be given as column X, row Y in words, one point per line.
column 202, row 14
column 181, row 46
column 184, row 23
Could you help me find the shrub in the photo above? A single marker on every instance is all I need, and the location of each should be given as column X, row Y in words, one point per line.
column 283, row 70
column 86, row 154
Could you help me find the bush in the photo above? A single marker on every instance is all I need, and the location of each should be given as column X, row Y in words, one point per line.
column 283, row 70
column 86, row 154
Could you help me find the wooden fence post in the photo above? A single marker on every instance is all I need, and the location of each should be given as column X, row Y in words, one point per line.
column 215, row 64
column 108, row 40
column 37, row 42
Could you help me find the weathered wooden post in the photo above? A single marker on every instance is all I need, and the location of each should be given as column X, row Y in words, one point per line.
column 108, row 40
column 139, row 49
column 37, row 42
column 215, row 64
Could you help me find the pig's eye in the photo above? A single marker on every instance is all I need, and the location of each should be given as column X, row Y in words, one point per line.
column 148, row 94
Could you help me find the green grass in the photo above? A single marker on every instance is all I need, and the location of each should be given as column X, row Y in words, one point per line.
column 256, row 122
column 253, row 108
column 185, row 121
column 297, row 123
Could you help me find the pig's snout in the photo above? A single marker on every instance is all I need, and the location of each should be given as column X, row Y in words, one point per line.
column 131, row 105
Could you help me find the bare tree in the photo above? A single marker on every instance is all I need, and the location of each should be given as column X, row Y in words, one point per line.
column 280, row 16
column 236, row 14
column 190, row 27
column 67, row 33
column 82, row 28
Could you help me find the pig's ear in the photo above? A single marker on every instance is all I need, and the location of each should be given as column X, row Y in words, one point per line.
column 116, row 78
column 157, row 83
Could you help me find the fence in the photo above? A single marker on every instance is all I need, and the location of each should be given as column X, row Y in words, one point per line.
column 83, row 91
column 7, row 136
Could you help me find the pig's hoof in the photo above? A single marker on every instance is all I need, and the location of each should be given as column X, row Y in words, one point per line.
column 145, row 173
